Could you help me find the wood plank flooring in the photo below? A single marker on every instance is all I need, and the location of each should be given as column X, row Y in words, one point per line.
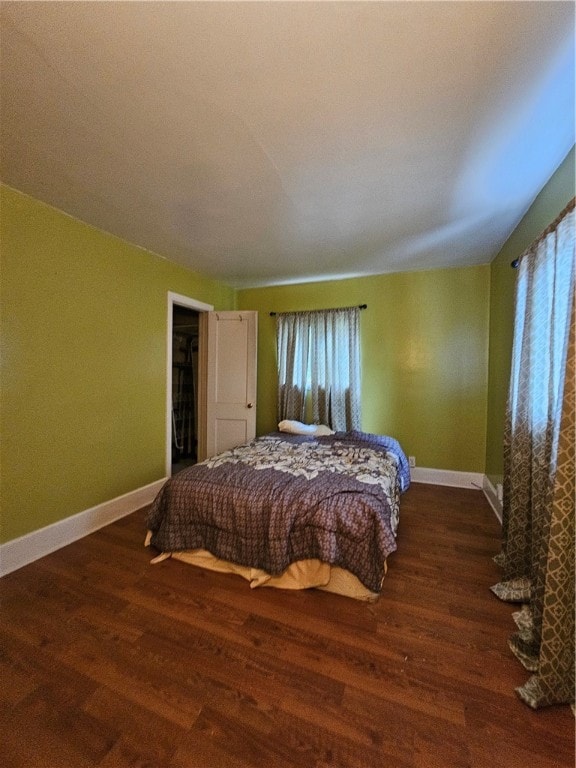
column 109, row 662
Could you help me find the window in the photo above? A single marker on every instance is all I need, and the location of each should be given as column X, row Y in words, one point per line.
column 319, row 354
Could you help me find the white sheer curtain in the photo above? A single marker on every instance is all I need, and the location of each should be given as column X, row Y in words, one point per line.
column 319, row 352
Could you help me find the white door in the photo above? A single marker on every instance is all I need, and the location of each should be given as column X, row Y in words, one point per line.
column 230, row 394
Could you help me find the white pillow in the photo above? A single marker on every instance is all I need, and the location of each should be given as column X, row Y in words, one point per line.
column 322, row 429
column 298, row 428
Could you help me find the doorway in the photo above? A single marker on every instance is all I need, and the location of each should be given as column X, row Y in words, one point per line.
column 185, row 364
column 185, row 340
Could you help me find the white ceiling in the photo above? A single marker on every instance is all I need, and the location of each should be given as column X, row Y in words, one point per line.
column 270, row 142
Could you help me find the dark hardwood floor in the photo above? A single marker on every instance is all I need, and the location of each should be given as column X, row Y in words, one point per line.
column 108, row 661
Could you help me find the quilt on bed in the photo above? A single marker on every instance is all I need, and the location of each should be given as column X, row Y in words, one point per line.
column 282, row 498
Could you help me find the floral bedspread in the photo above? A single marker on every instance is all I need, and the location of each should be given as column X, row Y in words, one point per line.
column 282, row 498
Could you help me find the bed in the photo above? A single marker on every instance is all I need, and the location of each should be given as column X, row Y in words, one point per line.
column 288, row 510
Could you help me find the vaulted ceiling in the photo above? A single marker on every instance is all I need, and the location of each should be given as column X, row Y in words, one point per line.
column 269, row 142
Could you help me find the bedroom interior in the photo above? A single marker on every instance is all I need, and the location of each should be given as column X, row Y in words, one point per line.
column 95, row 639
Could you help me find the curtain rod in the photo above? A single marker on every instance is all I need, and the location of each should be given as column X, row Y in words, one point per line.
column 360, row 306
column 549, row 229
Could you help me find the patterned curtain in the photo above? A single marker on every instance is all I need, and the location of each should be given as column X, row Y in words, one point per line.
column 539, row 468
column 320, row 351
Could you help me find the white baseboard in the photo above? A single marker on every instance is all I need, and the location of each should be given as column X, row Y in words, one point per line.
column 459, row 480
column 492, row 496
column 447, row 477
column 25, row 549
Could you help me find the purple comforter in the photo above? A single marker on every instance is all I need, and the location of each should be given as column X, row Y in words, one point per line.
column 283, row 498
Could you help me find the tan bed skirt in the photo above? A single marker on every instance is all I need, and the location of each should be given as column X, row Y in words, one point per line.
column 304, row 574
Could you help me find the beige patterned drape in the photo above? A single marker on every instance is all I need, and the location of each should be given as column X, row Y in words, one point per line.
column 319, row 351
column 539, row 468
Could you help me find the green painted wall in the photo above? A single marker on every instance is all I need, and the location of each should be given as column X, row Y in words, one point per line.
column 549, row 203
column 83, row 371
column 83, row 378
column 424, row 357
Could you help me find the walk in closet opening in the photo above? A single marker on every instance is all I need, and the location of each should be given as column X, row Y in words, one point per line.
column 184, row 387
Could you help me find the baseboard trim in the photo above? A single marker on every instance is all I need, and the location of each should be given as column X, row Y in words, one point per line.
column 460, row 480
column 492, row 496
column 26, row 549
column 447, row 477
column 32, row 546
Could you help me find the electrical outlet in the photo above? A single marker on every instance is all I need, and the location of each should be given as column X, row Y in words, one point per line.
column 412, row 461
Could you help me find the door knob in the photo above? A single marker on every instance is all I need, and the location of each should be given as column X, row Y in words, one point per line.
column 250, row 405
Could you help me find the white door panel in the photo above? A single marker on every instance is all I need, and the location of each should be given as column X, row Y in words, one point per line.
column 229, row 433
column 231, row 344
